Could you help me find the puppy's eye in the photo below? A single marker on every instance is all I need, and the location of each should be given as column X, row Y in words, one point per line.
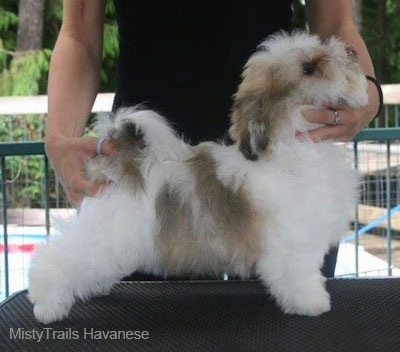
column 308, row 68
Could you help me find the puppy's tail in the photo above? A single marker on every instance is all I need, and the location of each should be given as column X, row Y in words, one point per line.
column 162, row 142
column 139, row 137
column 128, row 141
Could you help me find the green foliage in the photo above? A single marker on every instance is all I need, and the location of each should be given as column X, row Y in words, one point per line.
column 7, row 19
column 25, row 174
column 299, row 19
column 53, row 19
column 26, row 73
column 382, row 37
column 20, row 73
column 8, row 23
column 21, row 128
column 25, row 182
column 110, row 49
column 392, row 47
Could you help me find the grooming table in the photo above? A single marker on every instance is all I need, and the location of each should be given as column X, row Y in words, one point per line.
column 210, row 316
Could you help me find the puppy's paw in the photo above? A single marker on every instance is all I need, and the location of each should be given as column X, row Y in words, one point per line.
column 50, row 303
column 307, row 303
column 303, row 295
column 49, row 313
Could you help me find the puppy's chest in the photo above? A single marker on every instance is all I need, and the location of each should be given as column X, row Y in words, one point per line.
column 307, row 171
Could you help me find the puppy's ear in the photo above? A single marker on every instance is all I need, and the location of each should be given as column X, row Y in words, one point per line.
column 258, row 110
column 248, row 127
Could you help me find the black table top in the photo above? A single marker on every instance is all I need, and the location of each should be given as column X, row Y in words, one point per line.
column 210, row 316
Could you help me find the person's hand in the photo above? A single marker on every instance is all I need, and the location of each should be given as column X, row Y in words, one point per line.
column 343, row 125
column 67, row 156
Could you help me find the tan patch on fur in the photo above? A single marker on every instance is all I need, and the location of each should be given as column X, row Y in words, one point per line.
column 222, row 236
column 176, row 241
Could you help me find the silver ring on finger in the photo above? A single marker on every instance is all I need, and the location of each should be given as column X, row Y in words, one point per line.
column 99, row 146
column 336, row 117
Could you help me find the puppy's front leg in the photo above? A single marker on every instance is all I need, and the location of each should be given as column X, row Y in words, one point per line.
column 292, row 274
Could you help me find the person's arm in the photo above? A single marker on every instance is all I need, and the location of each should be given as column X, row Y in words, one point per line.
column 72, row 88
column 333, row 18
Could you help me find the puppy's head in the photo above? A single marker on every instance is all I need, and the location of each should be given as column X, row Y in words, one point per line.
column 290, row 70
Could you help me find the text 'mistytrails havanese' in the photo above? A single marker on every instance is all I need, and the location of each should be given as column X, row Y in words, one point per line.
column 270, row 203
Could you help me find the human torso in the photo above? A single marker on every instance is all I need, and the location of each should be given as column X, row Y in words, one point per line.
column 184, row 58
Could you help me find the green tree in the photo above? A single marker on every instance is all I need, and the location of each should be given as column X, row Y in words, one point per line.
column 25, row 61
column 381, row 31
column 26, row 74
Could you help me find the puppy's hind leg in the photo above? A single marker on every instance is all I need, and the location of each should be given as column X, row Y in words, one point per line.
column 59, row 277
column 60, row 274
column 92, row 255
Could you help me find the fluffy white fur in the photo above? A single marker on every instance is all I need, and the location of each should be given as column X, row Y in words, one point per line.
column 270, row 203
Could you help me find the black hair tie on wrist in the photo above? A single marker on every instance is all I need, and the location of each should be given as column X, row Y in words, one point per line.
column 380, row 93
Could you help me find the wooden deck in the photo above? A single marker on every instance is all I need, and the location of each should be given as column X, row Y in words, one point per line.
column 368, row 213
column 377, row 243
column 377, row 246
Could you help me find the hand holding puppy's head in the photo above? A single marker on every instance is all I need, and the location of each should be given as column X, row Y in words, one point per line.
column 286, row 72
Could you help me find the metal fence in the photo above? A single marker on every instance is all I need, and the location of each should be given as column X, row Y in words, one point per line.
column 372, row 247
column 32, row 199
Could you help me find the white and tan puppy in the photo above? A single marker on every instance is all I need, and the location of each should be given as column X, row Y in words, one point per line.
column 269, row 204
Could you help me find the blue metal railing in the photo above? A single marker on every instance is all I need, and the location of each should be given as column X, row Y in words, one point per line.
column 10, row 150
column 388, row 135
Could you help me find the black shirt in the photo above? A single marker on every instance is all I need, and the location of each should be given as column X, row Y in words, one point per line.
column 183, row 58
